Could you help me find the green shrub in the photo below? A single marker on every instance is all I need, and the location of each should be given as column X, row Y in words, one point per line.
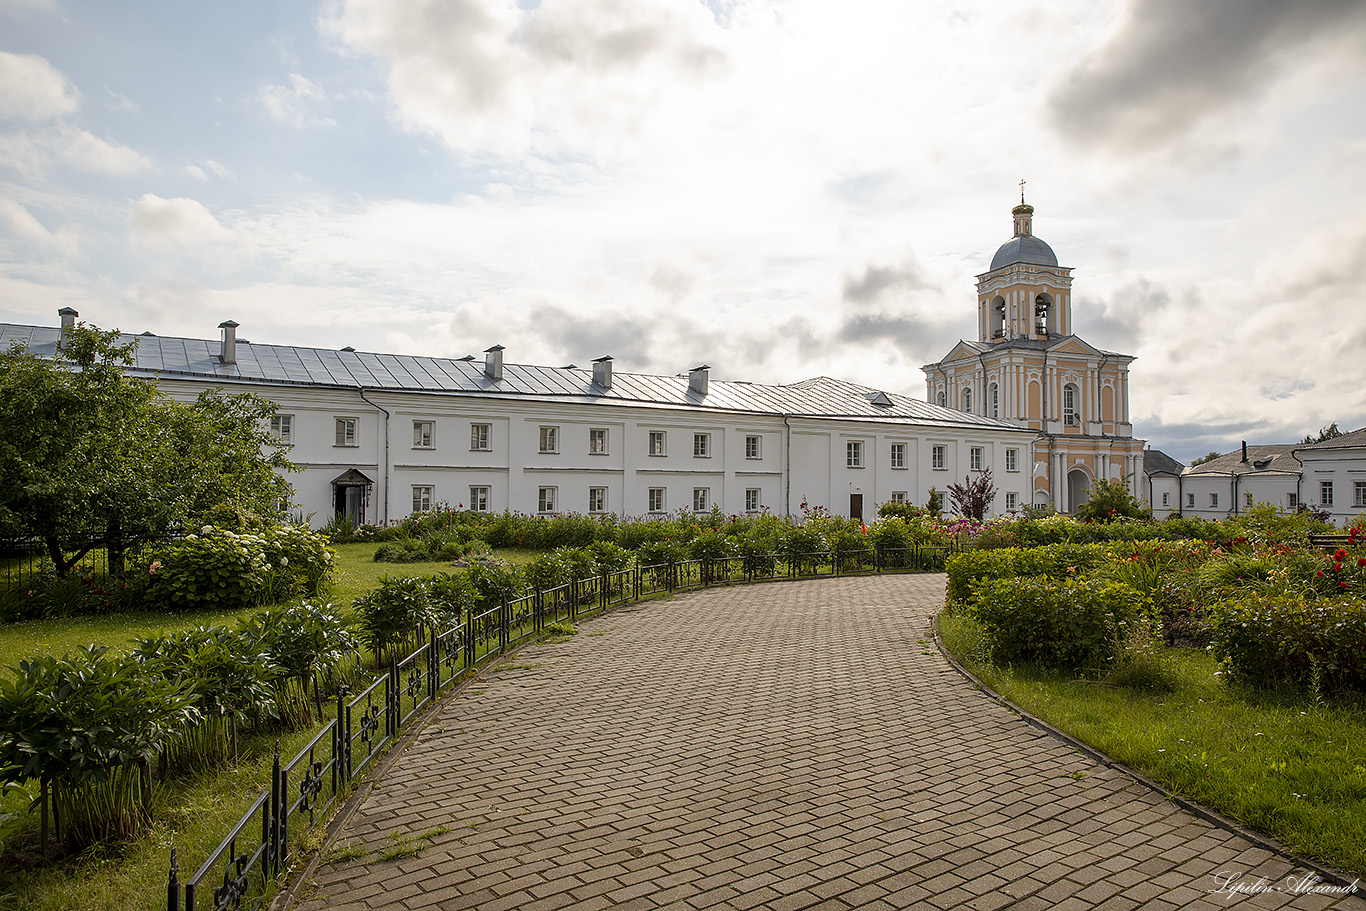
column 1075, row 625
column 904, row 511
column 968, row 570
column 1316, row 646
column 892, row 537
column 802, row 540
column 309, row 643
column 90, row 723
column 609, row 557
column 496, row 581
column 396, row 611
column 712, row 545
column 570, row 530
column 224, row 569
column 403, row 550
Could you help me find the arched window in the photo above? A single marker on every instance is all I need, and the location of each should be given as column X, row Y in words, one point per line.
column 998, row 317
column 1043, row 313
column 1069, row 406
column 943, row 400
column 967, row 400
column 993, row 401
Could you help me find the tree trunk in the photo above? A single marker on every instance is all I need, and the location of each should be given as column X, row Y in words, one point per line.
column 115, row 546
column 59, row 561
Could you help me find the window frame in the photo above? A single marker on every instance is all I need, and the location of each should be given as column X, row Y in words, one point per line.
column 939, row 457
column 282, row 428
column 976, row 454
column 423, row 493
column 701, row 499
column 897, row 456
column 966, row 399
column 430, row 438
column 1070, row 415
column 597, row 499
column 1012, row 459
column 853, row 454
column 348, row 433
column 898, row 496
column 481, row 437
column 753, row 497
column 660, row 437
column 701, row 445
column 547, row 499
column 480, row 495
column 548, row 439
column 656, row 499
column 1359, row 494
column 1190, row 501
column 1325, row 493
column 754, row 446
column 1214, row 501
column 1012, row 501
column 597, row 441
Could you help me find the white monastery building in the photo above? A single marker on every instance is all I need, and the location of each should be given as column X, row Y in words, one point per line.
column 1028, row 368
column 380, row 436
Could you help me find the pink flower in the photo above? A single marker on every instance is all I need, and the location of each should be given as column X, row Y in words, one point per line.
column 156, row 565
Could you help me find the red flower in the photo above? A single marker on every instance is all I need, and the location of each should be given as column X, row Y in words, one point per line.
column 1318, row 574
column 1337, row 567
column 1342, row 583
column 1340, row 554
column 1361, row 561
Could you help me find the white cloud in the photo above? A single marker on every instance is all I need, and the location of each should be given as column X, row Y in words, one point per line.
column 179, row 222
column 33, row 89
column 297, row 104
column 33, row 154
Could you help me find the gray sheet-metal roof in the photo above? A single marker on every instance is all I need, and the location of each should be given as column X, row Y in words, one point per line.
column 287, row 365
column 1355, row 439
column 1277, row 459
column 1024, row 248
column 1155, row 461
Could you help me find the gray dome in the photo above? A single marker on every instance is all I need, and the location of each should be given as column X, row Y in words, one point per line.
column 1024, row 248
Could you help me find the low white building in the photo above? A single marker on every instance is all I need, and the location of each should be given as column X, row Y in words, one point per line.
column 1335, row 476
column 1161, row 490
column 380, row 436
column 1237, row 480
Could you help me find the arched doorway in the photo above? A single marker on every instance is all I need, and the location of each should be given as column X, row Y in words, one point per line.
column 1078, row 488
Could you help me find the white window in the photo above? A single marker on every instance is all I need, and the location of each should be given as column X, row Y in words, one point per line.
column 597, row 499
column 898, row 496
column 751, row 499
column 1069, row 406
column 480, row 437
column 422, row 434
column 701, row 445
column 752, row 447
column 346, row 432
column 975, row 458
column 993, row 401
column 1292, row 500
column 937, row 457
column 655, row 499
column 546, row 498
column 1325, row 493
column 597, row 440
column 282, row 428
column 1214, row 501
column 550, row 442
column 1359, row 493
column 422, row 498
column 1166, row 498
column 656, row 442
column 853, row 454
column 898, row 455
column 967, row 400
column 1012, row 501
column 1190, row 501
column 1012, row 460
column 701, row 499
column 479, row 499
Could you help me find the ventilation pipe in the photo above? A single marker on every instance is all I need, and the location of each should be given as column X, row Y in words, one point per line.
column 1244, row 450
column 697, row 379
column 493, row 362
column 68, row 317
column 228, row 355
column 602, row 371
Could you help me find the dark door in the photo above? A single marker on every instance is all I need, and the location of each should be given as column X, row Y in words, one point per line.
column 856, row 507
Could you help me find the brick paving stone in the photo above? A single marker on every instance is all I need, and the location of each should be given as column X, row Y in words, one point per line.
column 769, row 748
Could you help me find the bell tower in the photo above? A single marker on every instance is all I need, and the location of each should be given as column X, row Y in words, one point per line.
column 1025, row 293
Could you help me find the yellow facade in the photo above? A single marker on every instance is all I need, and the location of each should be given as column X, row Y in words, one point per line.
column 1026, row 367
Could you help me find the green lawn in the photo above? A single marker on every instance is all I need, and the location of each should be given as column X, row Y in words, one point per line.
column 1275, row 762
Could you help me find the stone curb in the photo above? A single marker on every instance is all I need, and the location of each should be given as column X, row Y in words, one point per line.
column 1210, row 816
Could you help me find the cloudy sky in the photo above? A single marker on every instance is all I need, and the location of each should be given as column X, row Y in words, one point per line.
column 779, row 188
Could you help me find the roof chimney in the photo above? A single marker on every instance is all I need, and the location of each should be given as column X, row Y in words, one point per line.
column 697, row 379
column 1244, row 450
column 68, row 317
column 229, row 353
column 602, row 371
column 493, row 362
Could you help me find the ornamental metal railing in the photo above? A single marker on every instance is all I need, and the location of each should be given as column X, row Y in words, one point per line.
column 261, row 848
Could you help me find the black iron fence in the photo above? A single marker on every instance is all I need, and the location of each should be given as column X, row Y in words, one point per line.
column 243, row 870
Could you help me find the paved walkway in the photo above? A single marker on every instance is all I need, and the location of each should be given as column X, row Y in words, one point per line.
column 783, row 746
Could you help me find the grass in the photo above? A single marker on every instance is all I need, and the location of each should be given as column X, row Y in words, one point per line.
column 1276, row 762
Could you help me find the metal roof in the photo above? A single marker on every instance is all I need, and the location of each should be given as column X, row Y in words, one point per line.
column 1155, row 461
column 1024, row 248
column 1277, row 459
column 287, row 365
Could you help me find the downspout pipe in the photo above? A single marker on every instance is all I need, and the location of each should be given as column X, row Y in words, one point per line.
column 787, row 468
column 360, row 390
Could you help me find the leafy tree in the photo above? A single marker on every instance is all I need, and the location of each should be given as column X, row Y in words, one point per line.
column 1210, row 457
column 1110, row 501
column 95, row 458
column 1327, row 433
column 934, row 505
column 973, row 497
